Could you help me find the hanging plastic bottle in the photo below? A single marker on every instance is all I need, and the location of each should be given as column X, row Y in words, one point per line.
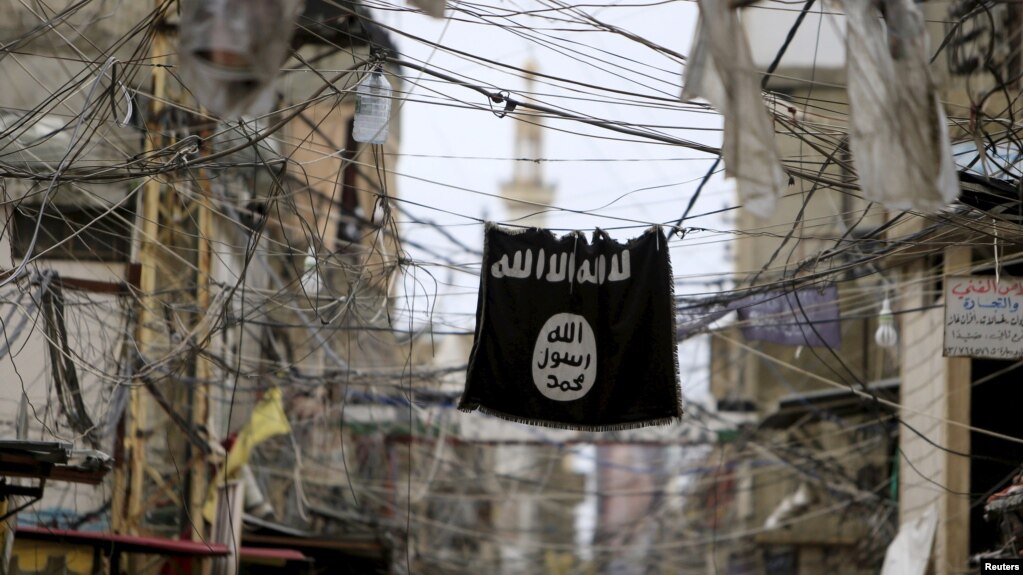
column 372, row 109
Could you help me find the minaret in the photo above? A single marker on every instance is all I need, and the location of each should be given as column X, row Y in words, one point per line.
column 527, row 187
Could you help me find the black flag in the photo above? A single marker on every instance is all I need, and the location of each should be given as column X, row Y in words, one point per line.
column 575, row 334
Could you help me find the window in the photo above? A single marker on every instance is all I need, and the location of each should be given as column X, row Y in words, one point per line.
column 352, row 217
column 91, row 232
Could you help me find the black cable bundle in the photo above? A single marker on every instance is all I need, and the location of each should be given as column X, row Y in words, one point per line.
column 62, row 365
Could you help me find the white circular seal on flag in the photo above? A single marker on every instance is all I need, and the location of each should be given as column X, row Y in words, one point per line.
column 565, row 357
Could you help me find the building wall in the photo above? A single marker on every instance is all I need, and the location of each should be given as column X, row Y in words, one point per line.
column 921, row 462
column 935, row 393
column 94, row 323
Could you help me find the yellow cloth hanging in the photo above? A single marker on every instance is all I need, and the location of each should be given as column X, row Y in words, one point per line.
column 268, row 420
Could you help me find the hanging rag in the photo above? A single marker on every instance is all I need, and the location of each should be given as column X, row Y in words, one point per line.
column 898, row 133
column 721, row 71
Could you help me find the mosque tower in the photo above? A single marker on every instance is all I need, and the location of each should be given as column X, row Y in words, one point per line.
column 526, row 194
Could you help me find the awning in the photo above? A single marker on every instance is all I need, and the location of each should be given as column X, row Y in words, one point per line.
column 272, row 553
column 125, row 543
column 361, row 551
column 43, row 460
column 274, row 556
column 840, row 402
column 264, row 533
column 53, row 460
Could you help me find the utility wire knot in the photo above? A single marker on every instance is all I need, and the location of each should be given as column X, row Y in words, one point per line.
column 509, row 104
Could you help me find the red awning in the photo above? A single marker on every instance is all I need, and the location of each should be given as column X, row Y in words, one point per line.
column 272, row 553
column 125, row 543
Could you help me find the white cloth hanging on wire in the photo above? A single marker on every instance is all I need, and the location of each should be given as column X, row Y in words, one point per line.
column 720, row 70
column 910, row 551
column 434, row 8
column 897, row 130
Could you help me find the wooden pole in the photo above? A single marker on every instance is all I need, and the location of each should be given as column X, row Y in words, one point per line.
column 199, row 398
column 129, row 475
